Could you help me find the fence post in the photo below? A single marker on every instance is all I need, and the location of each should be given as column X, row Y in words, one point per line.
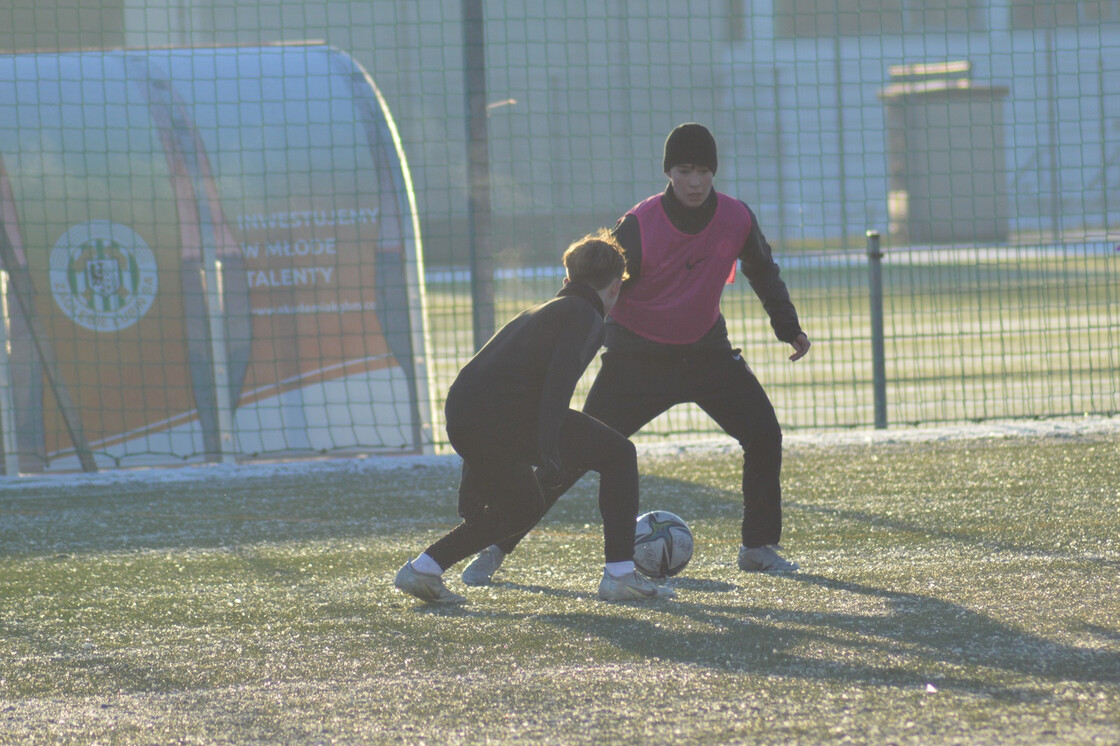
column 216, row 316
column 1104, row 142
column 878, row 356
column 842, row 181
column 478, row 172
column 7, row 404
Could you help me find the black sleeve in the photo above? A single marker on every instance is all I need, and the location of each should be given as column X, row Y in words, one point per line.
column 757, row 262
column 629, row 235
column 579, row 334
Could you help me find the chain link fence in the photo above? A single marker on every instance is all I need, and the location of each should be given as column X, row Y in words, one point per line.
column 333, row 203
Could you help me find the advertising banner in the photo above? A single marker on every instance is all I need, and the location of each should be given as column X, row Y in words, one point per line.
column 213, row 253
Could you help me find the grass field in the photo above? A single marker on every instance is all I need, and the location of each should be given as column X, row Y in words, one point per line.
column 954, row 590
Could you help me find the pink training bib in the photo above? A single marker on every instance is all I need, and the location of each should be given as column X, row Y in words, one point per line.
column 676, row 298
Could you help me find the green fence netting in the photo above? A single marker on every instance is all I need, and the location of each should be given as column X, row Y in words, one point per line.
column 241, row 230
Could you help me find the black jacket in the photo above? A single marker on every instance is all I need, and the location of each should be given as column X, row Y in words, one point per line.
column 521, row 382
column 756, row 259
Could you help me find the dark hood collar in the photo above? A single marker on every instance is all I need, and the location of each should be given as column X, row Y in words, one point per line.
column 688, row 219
column 585, row 291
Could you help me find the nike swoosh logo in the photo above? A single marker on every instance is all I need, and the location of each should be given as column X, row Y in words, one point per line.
column 689, row 264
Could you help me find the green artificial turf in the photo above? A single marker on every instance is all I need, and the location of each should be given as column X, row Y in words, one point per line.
column 960, row 591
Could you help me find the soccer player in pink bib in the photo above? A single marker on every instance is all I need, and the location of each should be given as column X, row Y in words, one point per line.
column 667, row 341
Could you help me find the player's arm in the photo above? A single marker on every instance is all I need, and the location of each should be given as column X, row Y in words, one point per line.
column 757, row 262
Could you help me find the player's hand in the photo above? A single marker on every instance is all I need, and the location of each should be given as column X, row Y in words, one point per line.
column 800, row 346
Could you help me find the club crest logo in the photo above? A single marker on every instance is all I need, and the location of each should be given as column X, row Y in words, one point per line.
column 103, row 276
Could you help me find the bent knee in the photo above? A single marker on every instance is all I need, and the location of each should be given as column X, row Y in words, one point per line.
column 767, row 435
column 618, row 454
column 518, row 522
column 622, row 452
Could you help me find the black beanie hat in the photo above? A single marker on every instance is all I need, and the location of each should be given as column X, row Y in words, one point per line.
column 690, row 143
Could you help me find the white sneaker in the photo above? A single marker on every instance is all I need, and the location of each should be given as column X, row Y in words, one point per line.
column 631, row 587
column 425, row 587
column 482, row 568
column 765, row 559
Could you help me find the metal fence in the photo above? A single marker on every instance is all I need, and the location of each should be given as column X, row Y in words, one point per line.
column 980, row 138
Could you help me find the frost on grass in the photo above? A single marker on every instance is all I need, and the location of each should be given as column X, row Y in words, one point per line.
column 955, row 589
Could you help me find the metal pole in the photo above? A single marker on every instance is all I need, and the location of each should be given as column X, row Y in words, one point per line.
column 216, row 319
column 841, row 157
column 779, row 170
column 7, row 404
column 878, row 356
column 1104, row 142
column 478, row 172
column 1052, row 112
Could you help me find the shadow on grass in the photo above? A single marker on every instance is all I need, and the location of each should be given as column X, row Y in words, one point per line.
column 918, row 641
column 692, row 584
column 969, row 539
column 702, row 585
column 1104, row 633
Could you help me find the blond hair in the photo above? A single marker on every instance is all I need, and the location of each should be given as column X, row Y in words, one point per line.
column 596, row 259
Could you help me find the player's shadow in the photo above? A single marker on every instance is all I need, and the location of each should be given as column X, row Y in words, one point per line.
column 545, row 590
column 690, row 584
column 553, row 592
column 1104, row 633
column 704, row 585
column 916, row 640
column 887, row 523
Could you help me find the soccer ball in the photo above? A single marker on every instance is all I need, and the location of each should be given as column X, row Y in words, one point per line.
column 662, row 544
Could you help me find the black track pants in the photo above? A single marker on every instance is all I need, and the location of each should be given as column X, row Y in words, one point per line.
column 629, row 391
column 499, row 496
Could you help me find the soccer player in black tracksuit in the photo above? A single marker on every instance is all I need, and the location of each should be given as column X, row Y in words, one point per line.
column 508, row 410
column 667, row 341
